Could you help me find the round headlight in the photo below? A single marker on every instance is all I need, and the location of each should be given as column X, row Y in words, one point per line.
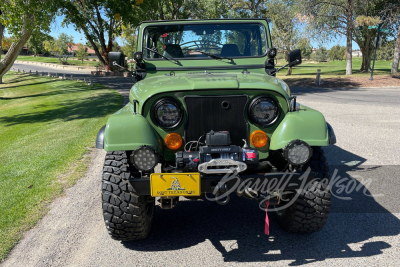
column 297, row 152
column 263, row 111
column 144, row 158
column 167, row 113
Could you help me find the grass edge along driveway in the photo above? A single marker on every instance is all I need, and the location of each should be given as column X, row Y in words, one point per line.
column 47, row 127
column 53, row 60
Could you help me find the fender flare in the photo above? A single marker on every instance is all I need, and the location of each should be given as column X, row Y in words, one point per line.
column 307, row 124
column 100, row 138
column 331, row 133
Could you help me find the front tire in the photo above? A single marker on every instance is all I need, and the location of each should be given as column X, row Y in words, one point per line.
column 309, row 212
column 127, row 215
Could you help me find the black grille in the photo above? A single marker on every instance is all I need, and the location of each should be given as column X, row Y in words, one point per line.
column 217, row 113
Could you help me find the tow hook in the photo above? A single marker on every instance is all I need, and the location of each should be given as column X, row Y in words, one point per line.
column 249, row 193
column 221, row 189
column 273, row 199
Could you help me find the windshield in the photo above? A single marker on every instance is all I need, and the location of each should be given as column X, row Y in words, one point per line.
column 230, row 40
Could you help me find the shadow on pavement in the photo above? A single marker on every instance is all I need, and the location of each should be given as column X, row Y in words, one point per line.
column 237, row 229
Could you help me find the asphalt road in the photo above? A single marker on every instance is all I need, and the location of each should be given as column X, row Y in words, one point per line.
column 361, row 231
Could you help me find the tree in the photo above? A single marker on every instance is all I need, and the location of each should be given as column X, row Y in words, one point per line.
column 305, row 47
column 116, row 47
column 321, row 54
column 386, row 51
column 285, row 34
column 394, row 17
column 128, row 37
column 247, row 8
column 21, row 18
column 60, row 47
column 329, row 18
column 1, row 36
column 101, row 21
column 337, row 52
column 184, row 9
column 364, row 37
column 396, row 56
column 36, row 42
column 350, row 18
column 368, row 14
column 81, row 53
column 50, row 46
column 389, row 13
column 65, row 43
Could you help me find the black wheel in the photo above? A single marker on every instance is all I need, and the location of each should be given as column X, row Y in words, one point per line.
column 309, row 212
column 127, row 215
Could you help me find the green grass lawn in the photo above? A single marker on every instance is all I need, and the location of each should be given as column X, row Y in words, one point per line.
column 333, row 68
column 71, row 61
column 46, row 128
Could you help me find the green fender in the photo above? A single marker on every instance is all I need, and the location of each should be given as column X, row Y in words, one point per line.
column 128, row 131
column 307, row 125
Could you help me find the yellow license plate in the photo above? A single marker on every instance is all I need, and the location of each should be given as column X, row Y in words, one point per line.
column 175, row 184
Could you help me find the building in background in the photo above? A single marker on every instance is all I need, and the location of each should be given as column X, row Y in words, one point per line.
column 75, row 48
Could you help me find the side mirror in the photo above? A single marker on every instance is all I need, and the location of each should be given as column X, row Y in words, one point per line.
column 138, row 56
column 271, row 52
column 294, row 57
column 117, row 58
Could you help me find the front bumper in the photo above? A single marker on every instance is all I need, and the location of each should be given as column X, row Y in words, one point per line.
column 268, row 182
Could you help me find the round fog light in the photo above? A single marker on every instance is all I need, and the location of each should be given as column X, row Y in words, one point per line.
column 297, row 152
column 144, row 158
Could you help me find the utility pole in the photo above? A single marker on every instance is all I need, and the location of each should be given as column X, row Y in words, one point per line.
column 376, row 47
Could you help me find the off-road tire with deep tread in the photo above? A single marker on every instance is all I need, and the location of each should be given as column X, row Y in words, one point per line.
column 127, row 215
column 309, row 213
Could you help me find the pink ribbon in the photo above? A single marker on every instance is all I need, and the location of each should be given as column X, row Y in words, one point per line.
column 266, row 218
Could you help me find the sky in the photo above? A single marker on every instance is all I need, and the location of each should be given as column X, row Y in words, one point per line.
column 56, row 29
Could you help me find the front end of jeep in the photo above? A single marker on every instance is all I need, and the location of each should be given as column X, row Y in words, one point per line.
column 206, row 118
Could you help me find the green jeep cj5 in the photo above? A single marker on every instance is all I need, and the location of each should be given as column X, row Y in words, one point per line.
column 207, row 117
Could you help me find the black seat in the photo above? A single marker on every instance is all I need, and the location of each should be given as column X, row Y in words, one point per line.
column 230, row 50
column 173, row 50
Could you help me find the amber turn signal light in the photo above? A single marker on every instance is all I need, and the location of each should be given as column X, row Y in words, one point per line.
column 173, row 141
column 258, row 138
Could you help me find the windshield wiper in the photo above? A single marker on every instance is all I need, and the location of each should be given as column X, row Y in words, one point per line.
column 215, row 56
column 158, row 53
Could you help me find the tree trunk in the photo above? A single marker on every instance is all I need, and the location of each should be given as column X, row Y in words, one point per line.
column 366, row 59
column 1, row 48
column 366, row 48
column 396, row 57
column 16, row 48
column 349, row 30
column 289, row 71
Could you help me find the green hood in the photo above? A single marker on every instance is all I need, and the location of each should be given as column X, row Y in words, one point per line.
column 148, row 87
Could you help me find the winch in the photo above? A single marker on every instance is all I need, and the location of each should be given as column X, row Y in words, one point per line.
column 217, row 156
